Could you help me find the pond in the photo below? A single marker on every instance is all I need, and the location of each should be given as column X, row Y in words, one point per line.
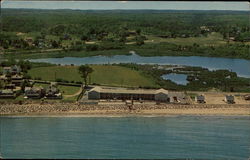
column 177, row 78
column 240, row 66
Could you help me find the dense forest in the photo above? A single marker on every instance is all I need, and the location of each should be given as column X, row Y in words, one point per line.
column 149, row 32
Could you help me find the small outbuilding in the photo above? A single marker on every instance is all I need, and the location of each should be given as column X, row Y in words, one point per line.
column 247, row 97
column 200, row 99
column 229, row 99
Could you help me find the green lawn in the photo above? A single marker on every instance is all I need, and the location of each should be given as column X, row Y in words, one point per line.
column 103, row 74
column 72, row 99
column 26, row 35
column 68, row 90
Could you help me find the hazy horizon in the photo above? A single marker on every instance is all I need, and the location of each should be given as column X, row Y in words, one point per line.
column 126, row 5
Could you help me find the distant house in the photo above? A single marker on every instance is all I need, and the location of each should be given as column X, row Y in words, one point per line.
column 15, row 69
column 200, row 99
column 204, row 28
column 16, row 79
column 52, row 92
column 229, row 99
column 67, row 37
column 7, row 93
column 232, row 38
column 10, row 86
column 34, row 92
column 184, row 36
column 41, row 44
column 177, row 97
column 29, row 40
column 12, row 70
column 6, row 70
column 164, row 36
column 132, row 52
column 3, row 78
column 132, row 33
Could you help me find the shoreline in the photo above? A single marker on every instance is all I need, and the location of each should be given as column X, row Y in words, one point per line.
column 115, row 110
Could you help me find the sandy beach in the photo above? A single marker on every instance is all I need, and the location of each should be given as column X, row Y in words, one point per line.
column 121, row 110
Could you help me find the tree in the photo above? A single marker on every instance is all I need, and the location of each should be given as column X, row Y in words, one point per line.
column 138, row 31
column 5, row 44
column 85, row 70
column 1, row 84
column 85, row 37
column 55, row 44
column 24, row 65
column 92, row 47
column 139, row 40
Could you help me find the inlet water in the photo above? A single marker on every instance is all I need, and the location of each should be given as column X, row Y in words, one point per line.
column 200, row 137
column 177, row 78
column 240, row 66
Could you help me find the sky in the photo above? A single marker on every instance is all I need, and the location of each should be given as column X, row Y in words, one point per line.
column 108, row 5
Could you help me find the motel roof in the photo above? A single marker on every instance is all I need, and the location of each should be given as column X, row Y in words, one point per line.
column 127, row 91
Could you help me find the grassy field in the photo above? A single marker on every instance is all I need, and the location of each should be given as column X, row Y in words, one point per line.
column 212, row 39
column 61, row 54
column 103, row 75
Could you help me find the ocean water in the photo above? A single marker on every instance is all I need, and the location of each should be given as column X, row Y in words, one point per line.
column 206, row 137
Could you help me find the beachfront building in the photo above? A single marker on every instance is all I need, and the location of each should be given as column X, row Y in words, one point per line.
column 7, row 93
column 96, row 93
column 52, row 92
column 229, row 99
column 200, row 99
column 34, row 92
column 177, row 97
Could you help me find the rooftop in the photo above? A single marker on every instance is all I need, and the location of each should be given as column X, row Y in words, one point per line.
column 128, row 91
column 6, row 91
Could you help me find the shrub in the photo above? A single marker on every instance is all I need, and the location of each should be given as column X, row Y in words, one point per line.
column 59, row 80
column 38, row 78
column 92, row 47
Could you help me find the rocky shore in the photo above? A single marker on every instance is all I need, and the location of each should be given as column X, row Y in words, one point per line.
column 70, row 108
